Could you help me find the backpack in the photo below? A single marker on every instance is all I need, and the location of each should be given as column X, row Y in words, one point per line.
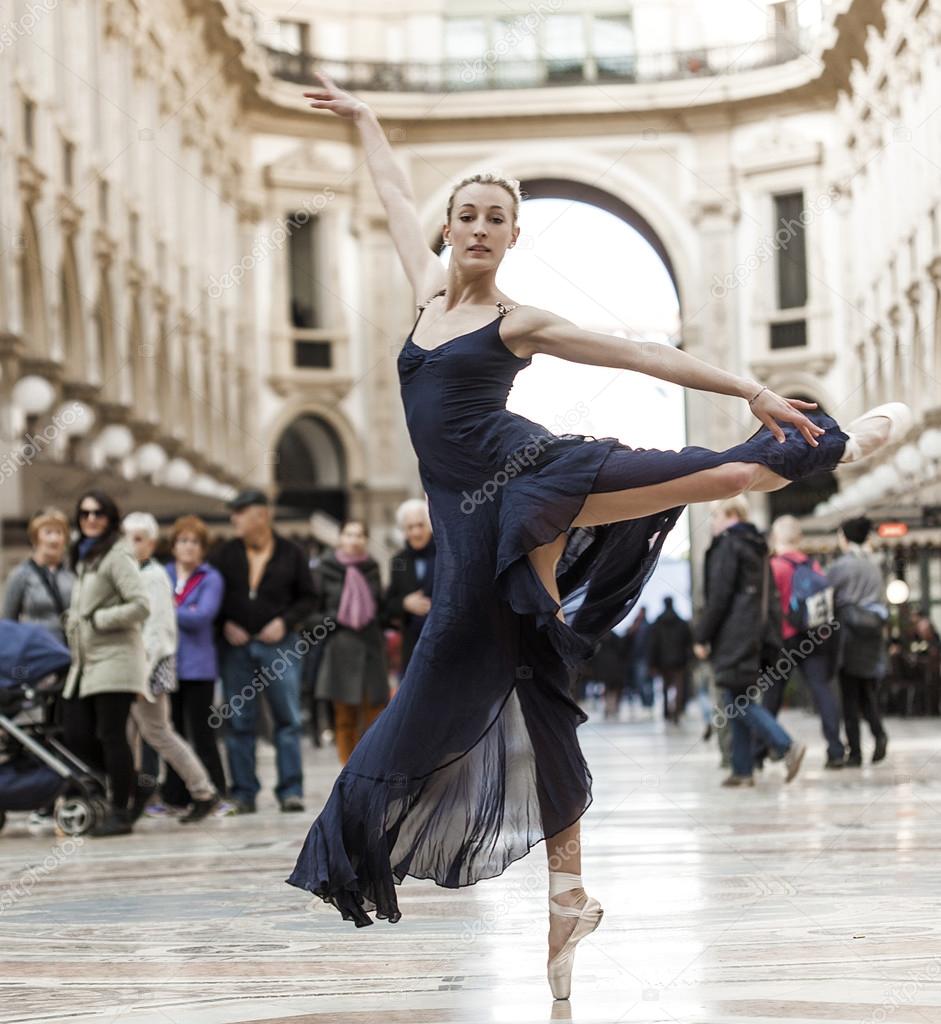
column 811, row 603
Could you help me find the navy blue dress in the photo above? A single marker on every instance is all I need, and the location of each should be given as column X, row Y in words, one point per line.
column 476, row 759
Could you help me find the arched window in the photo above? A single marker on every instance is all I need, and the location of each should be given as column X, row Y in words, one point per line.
column 311, row 468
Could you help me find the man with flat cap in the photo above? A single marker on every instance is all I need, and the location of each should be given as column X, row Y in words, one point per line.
column 269, row 592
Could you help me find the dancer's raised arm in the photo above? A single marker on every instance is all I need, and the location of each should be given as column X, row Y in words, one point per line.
column 531, row 330
column 423, row 269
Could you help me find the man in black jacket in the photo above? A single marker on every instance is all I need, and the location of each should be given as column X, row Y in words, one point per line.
column 269, row 593
column 739, row 630
column 408, row 596
column 669, row 655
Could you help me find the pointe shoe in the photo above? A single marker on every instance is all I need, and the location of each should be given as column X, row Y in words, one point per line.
column 867, row 435
column 589, row 917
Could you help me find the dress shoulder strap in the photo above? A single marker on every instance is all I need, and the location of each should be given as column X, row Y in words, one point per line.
column 421, row 305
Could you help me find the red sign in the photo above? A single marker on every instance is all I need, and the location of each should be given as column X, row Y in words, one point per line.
column 893, row 529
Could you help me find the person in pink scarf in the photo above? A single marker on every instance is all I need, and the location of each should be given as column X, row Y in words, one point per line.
column 353, row 674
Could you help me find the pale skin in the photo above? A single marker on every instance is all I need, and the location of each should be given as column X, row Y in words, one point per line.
column 352, row 540
column 50, row 546
column 481, row 228
column 188, row 553
column 417, row 530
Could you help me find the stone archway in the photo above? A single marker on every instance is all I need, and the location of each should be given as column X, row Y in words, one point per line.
column 311, row 473
column 621, row 190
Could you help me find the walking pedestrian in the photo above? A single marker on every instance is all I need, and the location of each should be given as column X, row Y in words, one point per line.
column 739, row 631
column 809, row 646
column 859, row 598
column 669, row 654
column 151, row 712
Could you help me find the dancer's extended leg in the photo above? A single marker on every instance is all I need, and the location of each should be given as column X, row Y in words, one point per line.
column 705, row 485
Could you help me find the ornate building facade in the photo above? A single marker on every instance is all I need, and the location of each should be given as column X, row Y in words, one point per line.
column 200, row 265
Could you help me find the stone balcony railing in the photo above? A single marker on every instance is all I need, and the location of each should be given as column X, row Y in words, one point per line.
column 493, row 71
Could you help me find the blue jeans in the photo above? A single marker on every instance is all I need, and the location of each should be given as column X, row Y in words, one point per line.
column 642, row 682
column 817, row 672
column 750, row 720
column 248, row 672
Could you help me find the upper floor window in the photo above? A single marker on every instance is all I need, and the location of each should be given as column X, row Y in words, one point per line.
column 286, row 36
column 304, row 265
column 791, row 250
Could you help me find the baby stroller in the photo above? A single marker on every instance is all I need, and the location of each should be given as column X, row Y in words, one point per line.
column 35, row 768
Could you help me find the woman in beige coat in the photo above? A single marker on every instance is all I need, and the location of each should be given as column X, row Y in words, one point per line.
column 109, row 668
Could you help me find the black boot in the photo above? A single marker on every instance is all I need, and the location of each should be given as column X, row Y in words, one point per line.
column 879, row 753
column 200, row 809
column 142, row 794
column 115, row 823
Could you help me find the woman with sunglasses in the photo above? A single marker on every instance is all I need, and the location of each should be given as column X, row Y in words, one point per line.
column 103, row 627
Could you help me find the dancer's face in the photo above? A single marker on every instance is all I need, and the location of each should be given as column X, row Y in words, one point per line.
column 481, row 228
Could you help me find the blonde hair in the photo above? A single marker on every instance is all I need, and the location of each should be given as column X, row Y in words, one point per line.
column 736, row 506
column 48, row 517
column 511, row 185
column 786, row 533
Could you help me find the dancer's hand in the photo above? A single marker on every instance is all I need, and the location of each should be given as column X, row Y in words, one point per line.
column 772, row 409
column 332, row 97
column 701, row 651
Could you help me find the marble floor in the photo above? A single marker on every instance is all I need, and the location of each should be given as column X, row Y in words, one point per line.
column 817, row 901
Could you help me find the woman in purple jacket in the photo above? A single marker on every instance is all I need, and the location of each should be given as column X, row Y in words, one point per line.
column 197, row 591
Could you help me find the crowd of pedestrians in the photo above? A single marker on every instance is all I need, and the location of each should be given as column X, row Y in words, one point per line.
column 173, row 661
column 774, row 620
column 177, row 662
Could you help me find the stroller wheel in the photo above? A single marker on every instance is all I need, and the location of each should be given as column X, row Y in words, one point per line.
column 75, row 815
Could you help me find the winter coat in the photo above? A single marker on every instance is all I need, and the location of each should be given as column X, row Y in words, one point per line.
column 670, row 643
column 354, row 661
column 742, row 634
column 29, row 599
column 196, row 656
column 607, row 662
column 859, row 602
column 103, row 626
column 160, row 625
column 403, row 581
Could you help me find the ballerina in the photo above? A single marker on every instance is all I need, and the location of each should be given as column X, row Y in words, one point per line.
column 476, row 759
